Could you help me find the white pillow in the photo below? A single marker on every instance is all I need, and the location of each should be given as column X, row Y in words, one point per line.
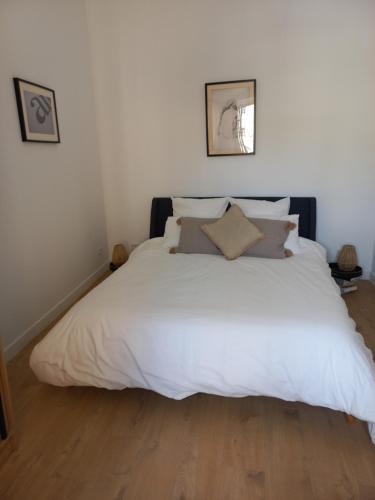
column 172, row 233
column 205, row 208
column 292, row 241
column 262, row 208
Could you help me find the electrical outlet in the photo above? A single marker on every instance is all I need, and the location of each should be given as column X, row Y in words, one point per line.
column 100, row 251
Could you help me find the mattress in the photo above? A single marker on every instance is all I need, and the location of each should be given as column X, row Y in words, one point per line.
column 181, row 324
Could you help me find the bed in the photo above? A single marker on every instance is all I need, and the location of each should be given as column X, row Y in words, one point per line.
column 182, row 324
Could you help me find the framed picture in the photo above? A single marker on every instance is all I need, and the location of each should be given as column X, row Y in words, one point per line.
column 36, row 111
column 230, row 118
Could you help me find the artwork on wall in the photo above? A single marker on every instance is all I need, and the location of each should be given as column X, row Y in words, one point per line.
column 36, row 111
column 230, row 118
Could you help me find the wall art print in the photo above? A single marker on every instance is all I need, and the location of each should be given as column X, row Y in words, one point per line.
column 36, row 111
column 230, row 118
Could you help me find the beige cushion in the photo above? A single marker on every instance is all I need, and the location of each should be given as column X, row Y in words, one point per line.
column 275, row 233
column 233, row 234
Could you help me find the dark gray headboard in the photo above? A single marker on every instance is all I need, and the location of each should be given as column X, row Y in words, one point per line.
column 306, row 208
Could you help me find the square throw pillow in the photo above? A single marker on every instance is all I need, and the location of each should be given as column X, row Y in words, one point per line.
column 233, row 234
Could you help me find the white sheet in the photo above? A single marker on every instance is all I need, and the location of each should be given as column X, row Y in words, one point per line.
column 181, row 324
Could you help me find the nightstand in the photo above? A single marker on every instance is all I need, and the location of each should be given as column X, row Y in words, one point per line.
column 345, row 279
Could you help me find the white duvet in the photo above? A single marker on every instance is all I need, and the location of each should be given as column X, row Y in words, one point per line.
column 182, row 324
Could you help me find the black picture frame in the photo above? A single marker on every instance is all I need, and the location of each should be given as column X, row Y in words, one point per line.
column 232, row 87
column 36, row 112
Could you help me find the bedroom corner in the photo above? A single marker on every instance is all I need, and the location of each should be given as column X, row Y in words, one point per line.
column 53, row 230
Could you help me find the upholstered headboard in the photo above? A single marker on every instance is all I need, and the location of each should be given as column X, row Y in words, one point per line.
column 306, row 208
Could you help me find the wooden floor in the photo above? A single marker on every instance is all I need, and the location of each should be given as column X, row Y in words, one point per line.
column 91, row 444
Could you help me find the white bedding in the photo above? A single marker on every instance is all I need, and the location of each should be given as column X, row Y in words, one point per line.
column 181, row 324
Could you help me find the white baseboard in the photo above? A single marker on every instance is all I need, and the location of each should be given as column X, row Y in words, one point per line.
column 372, row 278
column 12, row 349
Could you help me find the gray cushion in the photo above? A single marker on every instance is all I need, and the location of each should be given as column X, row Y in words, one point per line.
column 193, row 239
column 275, row 235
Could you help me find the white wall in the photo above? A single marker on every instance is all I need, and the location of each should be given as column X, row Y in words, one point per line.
column 51, row 201
column 372, row 276
column 315, row 69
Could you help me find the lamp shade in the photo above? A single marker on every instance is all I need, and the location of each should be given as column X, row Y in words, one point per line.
column 119, row 255
column 347, row 259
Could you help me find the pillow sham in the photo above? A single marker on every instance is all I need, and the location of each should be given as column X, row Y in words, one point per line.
column 233, row 234
column 206, row 207
column 171, row 233
column 292, row 242
column 263, row 208
column 275, row 233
